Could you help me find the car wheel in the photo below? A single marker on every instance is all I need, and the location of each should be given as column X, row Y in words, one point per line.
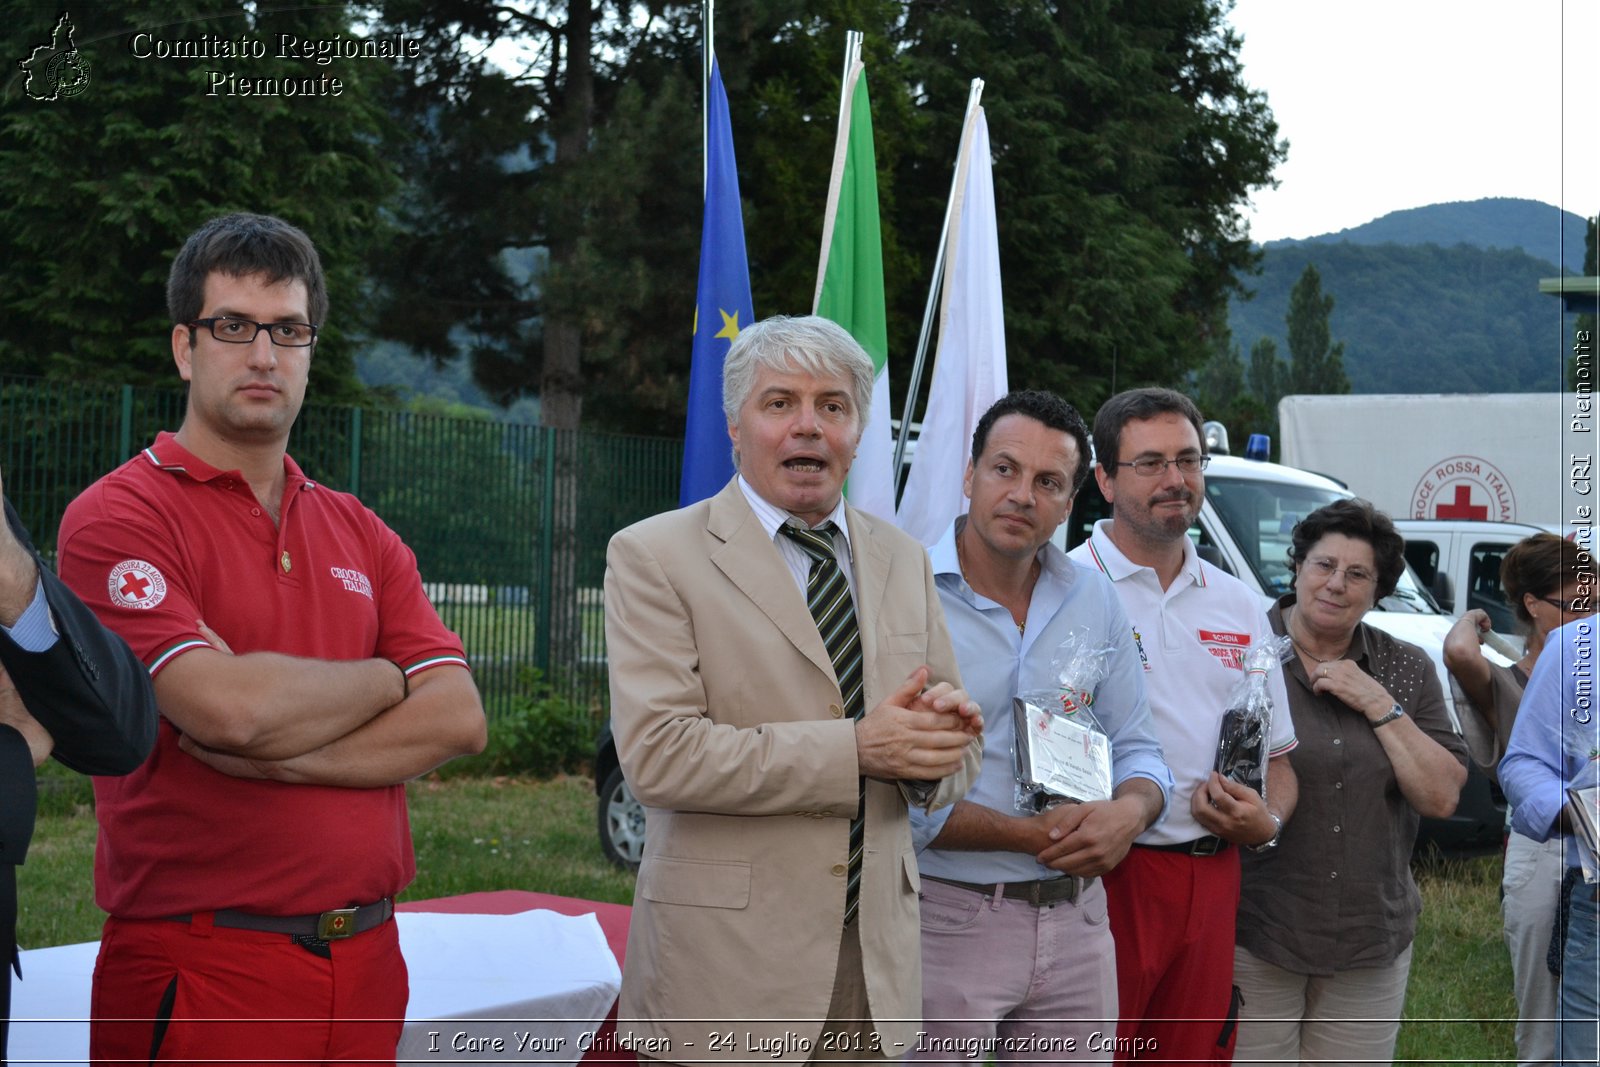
column 621, row 822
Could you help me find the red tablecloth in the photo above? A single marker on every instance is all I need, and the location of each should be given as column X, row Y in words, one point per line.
column 613, row 919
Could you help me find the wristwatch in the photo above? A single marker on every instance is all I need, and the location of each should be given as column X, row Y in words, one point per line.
column 1395, row 712
column 1271, row 842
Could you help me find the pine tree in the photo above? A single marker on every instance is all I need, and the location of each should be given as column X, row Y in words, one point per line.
column 1316, row 364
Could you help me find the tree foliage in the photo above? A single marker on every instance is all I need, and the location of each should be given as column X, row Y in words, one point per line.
column 98, row 190
column 1125, row 142
column 1316, row 361
column 526, row 194
column 1423, row 319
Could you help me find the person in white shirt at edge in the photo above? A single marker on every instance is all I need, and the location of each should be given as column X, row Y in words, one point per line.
column 1173, row 899
column 1017, row 959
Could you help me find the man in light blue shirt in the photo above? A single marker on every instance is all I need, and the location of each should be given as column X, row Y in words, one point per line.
column 1554, row 745
column 1018, row 961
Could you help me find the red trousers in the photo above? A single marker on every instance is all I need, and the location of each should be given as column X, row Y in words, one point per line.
column 188, row 991
column 1172, row 917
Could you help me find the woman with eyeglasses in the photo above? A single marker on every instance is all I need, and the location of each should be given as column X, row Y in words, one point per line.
column 1546, row 581
column 1326, row 919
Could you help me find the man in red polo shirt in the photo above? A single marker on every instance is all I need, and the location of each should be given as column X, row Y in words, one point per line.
column 248, row 867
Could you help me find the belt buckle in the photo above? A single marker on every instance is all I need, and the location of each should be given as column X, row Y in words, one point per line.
column 1206, row 846
column 336, row 924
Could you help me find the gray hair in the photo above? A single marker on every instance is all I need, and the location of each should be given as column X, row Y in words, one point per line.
column 807, row 344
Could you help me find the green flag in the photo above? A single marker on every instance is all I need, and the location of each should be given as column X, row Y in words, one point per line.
column 850, row 286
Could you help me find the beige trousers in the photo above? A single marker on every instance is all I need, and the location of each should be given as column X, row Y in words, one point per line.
column 1350, row 1017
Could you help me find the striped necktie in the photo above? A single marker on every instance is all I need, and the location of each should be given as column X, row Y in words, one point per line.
column 828, row 598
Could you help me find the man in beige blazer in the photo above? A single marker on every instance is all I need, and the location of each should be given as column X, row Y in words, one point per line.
column 731, row 730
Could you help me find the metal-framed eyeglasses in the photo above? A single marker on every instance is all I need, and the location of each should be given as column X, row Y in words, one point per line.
column 1155, row 466
column 1354, row 577
column 236, row 331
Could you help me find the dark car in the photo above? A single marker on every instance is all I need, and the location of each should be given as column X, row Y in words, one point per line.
column 620, row 815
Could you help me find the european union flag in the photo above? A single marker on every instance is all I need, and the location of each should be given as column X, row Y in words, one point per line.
column 722, row 307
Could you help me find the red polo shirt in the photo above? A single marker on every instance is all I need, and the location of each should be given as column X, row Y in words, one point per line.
column 165, row 541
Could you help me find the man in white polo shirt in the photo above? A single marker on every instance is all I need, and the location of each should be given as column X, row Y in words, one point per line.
column 1172, row 900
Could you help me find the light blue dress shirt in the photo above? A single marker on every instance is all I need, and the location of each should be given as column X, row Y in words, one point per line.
column 997, row 663
column 34, row 630
column 1557, row 733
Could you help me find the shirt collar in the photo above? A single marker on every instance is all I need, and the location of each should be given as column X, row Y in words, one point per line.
column 1109, row 558
column 771, row 516
column 1053, row 563
column 167, row 454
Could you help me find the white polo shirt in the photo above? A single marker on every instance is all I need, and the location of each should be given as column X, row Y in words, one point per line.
column 1191, row 639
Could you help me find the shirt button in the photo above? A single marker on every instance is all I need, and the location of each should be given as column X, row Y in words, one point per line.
column 1338, row 785
column 1336, row 829
column 836, row 711
column 1337, row 741
column 256, row 512
column 838, row 870
column 1335, row 874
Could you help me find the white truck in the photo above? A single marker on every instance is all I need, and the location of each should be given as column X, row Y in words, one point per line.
column 1489, row 457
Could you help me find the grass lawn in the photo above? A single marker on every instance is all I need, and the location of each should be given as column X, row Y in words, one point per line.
column 505, row 833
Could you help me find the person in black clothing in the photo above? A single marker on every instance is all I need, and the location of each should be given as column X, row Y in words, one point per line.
column 69, row 688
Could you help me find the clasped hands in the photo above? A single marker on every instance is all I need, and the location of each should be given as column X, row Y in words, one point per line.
column 918, row 733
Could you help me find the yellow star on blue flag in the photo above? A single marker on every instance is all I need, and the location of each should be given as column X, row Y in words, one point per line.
column 724, row 294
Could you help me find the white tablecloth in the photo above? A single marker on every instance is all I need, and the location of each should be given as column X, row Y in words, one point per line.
column 525, row 987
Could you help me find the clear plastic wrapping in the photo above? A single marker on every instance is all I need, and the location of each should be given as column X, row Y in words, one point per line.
column 1244, row 739
column 1061, row 752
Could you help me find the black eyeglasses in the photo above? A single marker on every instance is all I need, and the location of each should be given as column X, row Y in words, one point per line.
column 243, row 331
column 1153, row 466
column 1570, row 607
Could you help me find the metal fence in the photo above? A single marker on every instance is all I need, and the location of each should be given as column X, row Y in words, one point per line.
column 509, row 522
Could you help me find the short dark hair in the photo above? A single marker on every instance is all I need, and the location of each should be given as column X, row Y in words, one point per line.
column 1047, row 408
column 1541, row 565
column 240, row 245
column 1359, row 520
column 1133, row 404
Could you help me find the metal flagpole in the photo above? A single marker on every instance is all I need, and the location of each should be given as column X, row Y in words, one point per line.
column 707, row 53
column 852, row 55
column 974, row 93
column 852, row 49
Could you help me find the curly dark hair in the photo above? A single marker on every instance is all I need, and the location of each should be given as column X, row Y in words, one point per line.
column 1358, row 519
column 1541, row 565
column 1047, row 408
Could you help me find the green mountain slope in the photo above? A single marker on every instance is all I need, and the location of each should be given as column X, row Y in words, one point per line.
column 1449, row 302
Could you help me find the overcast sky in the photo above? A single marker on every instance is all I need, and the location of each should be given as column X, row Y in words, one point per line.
column 1391, row 104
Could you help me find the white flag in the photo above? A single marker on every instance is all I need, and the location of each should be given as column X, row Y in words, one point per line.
column 969, row 370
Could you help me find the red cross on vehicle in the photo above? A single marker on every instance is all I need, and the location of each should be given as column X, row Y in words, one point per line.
column 1462, row 508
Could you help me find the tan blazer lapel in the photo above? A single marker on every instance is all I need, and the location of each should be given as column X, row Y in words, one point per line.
column 751, row 561
column 872, row 584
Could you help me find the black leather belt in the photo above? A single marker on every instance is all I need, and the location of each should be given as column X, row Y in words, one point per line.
column 1041, row 892
column 1208, row 845
column 329, row 926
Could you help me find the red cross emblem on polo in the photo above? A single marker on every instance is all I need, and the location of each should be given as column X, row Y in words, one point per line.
column 136, row 584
